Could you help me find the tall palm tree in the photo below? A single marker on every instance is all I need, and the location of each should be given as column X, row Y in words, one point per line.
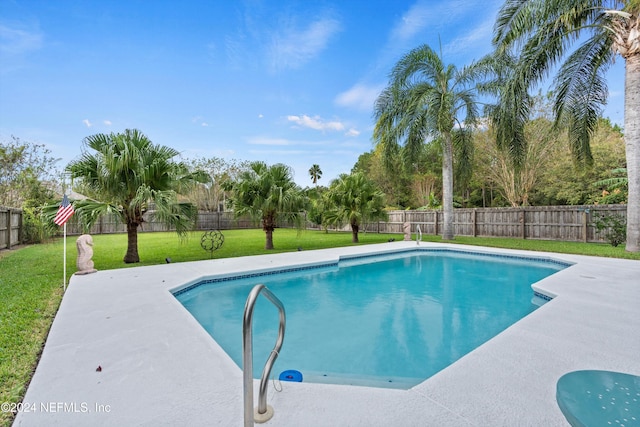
column 316, row 173
column 268, row 193
column 543, row 33
column 128, row 174
column 355, row 200
column 427, row 101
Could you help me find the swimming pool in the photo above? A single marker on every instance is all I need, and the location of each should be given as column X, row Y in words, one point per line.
column 386, row 320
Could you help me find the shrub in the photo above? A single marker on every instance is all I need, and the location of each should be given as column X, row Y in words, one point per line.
column 34, row 227
column 614, row 227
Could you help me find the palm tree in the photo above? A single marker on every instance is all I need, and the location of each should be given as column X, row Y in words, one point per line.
column 268, row 193
column 316, row 173
column 542, row 33
column 354, row 199
column 129, row 174
column 425, row 102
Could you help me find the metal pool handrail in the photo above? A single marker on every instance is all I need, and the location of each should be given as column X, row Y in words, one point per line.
column 264, row 412
column 418, row 234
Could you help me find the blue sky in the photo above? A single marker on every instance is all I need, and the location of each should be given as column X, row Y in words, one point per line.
column 279, row 81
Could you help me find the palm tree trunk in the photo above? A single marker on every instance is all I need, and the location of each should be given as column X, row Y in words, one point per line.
column 132, row 243
column 268, row 225
column 354, row 233
column 269, row 242
column 447, row 187
column 632, row 145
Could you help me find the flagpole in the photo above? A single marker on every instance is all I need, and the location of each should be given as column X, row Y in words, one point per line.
column 64, row 258
column 65, row 211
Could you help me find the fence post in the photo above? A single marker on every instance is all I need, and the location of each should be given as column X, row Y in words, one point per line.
column 436, row 222
column 20, row 226
column 523, row 221
column 584, row 225
column 8, row 222
column 473, row 223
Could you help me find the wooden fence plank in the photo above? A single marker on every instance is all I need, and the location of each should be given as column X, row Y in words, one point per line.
column 11, row 227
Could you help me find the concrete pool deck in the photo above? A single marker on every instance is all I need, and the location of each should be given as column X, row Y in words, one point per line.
column 160, row 367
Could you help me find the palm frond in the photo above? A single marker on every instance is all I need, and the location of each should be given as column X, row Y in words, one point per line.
column 581, row 92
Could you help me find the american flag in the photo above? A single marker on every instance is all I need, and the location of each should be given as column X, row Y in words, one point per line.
column 65, row 211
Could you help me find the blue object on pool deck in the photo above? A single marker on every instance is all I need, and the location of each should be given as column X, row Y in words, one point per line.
column 599, row 398
column 291, row 375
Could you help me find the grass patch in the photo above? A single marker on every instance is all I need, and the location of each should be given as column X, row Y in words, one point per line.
column 31, row 288
column 30, row 291
column 575, row 248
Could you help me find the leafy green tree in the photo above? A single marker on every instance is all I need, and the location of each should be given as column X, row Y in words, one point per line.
column 355, row 200
column 211, row 196
column 129, row 175
column 563, row 182
column 268, row 193
column 28, row 174
column 427, row 100
column 542, row 34
column 315, row 173
column 516, row 176
column 393, row 179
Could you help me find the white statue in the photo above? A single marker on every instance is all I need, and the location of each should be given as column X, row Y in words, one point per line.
column 85, row 253
column 406, row 229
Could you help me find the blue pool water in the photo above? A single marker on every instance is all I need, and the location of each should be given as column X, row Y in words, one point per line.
column 388, row 321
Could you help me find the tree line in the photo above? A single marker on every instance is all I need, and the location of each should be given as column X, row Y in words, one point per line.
column 127, row 175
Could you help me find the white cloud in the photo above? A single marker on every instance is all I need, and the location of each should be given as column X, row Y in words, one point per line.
column 352, row 132
column 292, row 47
column 279, row 152
column 473, row 39
column 412, row 22
column 316, row 123
column 15, row 42
column 87, row 123
column 360, row 96
column 107, row 122
column 199, row 120
column 260, row 116
column 425, row 15
column 260, row 140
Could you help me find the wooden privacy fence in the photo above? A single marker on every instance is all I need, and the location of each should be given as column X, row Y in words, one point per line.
column 110, row 224
column 10, row 227
column 567, row 223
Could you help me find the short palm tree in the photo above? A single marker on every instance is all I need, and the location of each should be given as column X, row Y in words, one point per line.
column 316, row 173
column 542, row 34
column 128, row 175
column 427, row 101
column 355, row 200
column 268, row 193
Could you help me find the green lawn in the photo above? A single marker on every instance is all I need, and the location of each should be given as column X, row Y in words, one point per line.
column 31, row 279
